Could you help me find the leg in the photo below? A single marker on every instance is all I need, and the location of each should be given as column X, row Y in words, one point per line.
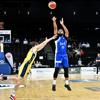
column 66, row 75
column 54, row 78
column 23, row 71
column 18, row 83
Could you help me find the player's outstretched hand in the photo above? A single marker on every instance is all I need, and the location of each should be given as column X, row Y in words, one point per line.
column 62, row 21
column 54, row 18
column 54, row 37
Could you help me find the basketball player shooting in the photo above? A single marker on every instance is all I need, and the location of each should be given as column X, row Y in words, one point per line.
column 61, row 57
column 26, row 66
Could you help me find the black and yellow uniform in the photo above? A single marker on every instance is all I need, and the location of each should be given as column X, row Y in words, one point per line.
column 27, row 64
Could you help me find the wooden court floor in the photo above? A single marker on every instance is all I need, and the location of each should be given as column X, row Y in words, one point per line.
column 41, row 90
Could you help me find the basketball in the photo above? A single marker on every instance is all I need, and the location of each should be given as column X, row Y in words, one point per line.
column 52, row 5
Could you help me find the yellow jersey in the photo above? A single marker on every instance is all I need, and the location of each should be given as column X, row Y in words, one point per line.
column 27, row 64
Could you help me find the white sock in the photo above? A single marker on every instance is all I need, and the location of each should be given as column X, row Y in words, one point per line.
column 66, row 82
column 54, row 82
column 13, row 93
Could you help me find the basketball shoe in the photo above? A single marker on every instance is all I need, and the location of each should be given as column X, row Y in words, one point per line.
column 12, row 96
column 68, row 87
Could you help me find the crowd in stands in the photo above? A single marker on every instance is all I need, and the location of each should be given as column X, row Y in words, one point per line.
column 80, row 53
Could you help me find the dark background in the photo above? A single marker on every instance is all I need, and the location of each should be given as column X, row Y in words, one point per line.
column 84, row 25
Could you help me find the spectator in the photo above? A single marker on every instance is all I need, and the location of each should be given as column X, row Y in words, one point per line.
column 97, row 61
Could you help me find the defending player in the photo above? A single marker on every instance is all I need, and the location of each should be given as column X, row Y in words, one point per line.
column 61, row 57
column 26, row 65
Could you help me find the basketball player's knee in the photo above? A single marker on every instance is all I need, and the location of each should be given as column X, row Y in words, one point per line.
column 66, row 75
column 55, row 73
column 16, row 79
column 66, row 72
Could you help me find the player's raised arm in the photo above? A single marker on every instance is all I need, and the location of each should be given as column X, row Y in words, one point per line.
column 55, row 25
column 42, row 45
column 64, row 27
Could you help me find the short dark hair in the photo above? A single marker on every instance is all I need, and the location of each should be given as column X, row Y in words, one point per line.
column 33, row 43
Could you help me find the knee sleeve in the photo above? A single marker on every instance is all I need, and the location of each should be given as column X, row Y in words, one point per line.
column 66, row 73
column 56, row 72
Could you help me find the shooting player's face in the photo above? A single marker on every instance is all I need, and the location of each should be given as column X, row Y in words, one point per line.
column 60, row 31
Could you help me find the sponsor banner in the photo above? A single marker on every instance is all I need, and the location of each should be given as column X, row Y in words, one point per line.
column 6, row 86
column 41, row 73
column 88, row 70
column 74, row 70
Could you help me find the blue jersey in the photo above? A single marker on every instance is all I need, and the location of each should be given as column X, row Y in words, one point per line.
column 61, row 57
column 61, row 45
